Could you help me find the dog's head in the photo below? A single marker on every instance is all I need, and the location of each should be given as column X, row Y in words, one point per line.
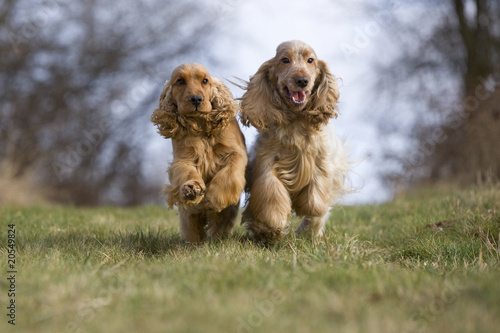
column 294, row 84
column 193, row 103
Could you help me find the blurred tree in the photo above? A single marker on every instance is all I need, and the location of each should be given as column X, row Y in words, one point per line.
column 78, row 82
column 448, row 69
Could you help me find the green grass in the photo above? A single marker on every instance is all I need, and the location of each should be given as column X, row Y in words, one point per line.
column 395, row 267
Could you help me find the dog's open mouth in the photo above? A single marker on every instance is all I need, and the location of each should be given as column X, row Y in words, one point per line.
column 297, row 98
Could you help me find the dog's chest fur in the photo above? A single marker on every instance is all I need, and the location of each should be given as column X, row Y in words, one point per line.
column 207, row 154
column 296, row 157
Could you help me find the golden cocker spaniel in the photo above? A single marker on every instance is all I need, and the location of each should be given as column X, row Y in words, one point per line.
column 295, row 164
column 207, row 175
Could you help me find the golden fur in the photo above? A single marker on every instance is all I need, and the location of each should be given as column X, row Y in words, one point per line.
column 207, row 175
column 295, row 165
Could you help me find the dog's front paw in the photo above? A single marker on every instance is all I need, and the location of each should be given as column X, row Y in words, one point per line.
column 192, row 190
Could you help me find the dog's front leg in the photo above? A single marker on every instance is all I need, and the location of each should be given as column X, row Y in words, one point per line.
column 313, row 202
column 186, row 184
column 227, row 185
column 269, row 205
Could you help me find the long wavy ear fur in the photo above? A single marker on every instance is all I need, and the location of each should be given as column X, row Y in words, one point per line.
column 165, row 116
column 259, row 106
column 222, row 100
column 325, row 96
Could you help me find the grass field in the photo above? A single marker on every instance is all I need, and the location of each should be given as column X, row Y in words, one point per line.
column 426, row 262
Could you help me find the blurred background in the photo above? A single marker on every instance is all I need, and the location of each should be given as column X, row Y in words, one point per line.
column 420, row 89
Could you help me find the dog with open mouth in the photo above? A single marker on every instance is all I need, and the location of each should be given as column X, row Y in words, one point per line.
column 296, row 165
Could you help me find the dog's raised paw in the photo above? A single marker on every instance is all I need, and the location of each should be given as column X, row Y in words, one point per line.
column 192, row 190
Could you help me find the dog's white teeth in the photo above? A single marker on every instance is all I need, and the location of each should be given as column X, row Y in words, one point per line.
column 293, row 99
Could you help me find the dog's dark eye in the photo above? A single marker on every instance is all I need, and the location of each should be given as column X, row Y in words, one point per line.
column 205, row 81
column 285, row 60
column 180, row 82
column 310, row 60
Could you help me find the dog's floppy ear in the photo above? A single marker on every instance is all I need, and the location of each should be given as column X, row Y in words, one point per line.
column 222, row 100
column 327, row 92
column 165, row 116
column 258, row 102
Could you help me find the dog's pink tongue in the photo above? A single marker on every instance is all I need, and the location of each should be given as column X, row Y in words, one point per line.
column 299, row 96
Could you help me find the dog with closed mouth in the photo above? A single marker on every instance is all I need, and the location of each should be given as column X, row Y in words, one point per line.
column 207, row 175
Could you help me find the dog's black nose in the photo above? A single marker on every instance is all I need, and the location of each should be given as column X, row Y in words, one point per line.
column 195, row 100
column 301, row 81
